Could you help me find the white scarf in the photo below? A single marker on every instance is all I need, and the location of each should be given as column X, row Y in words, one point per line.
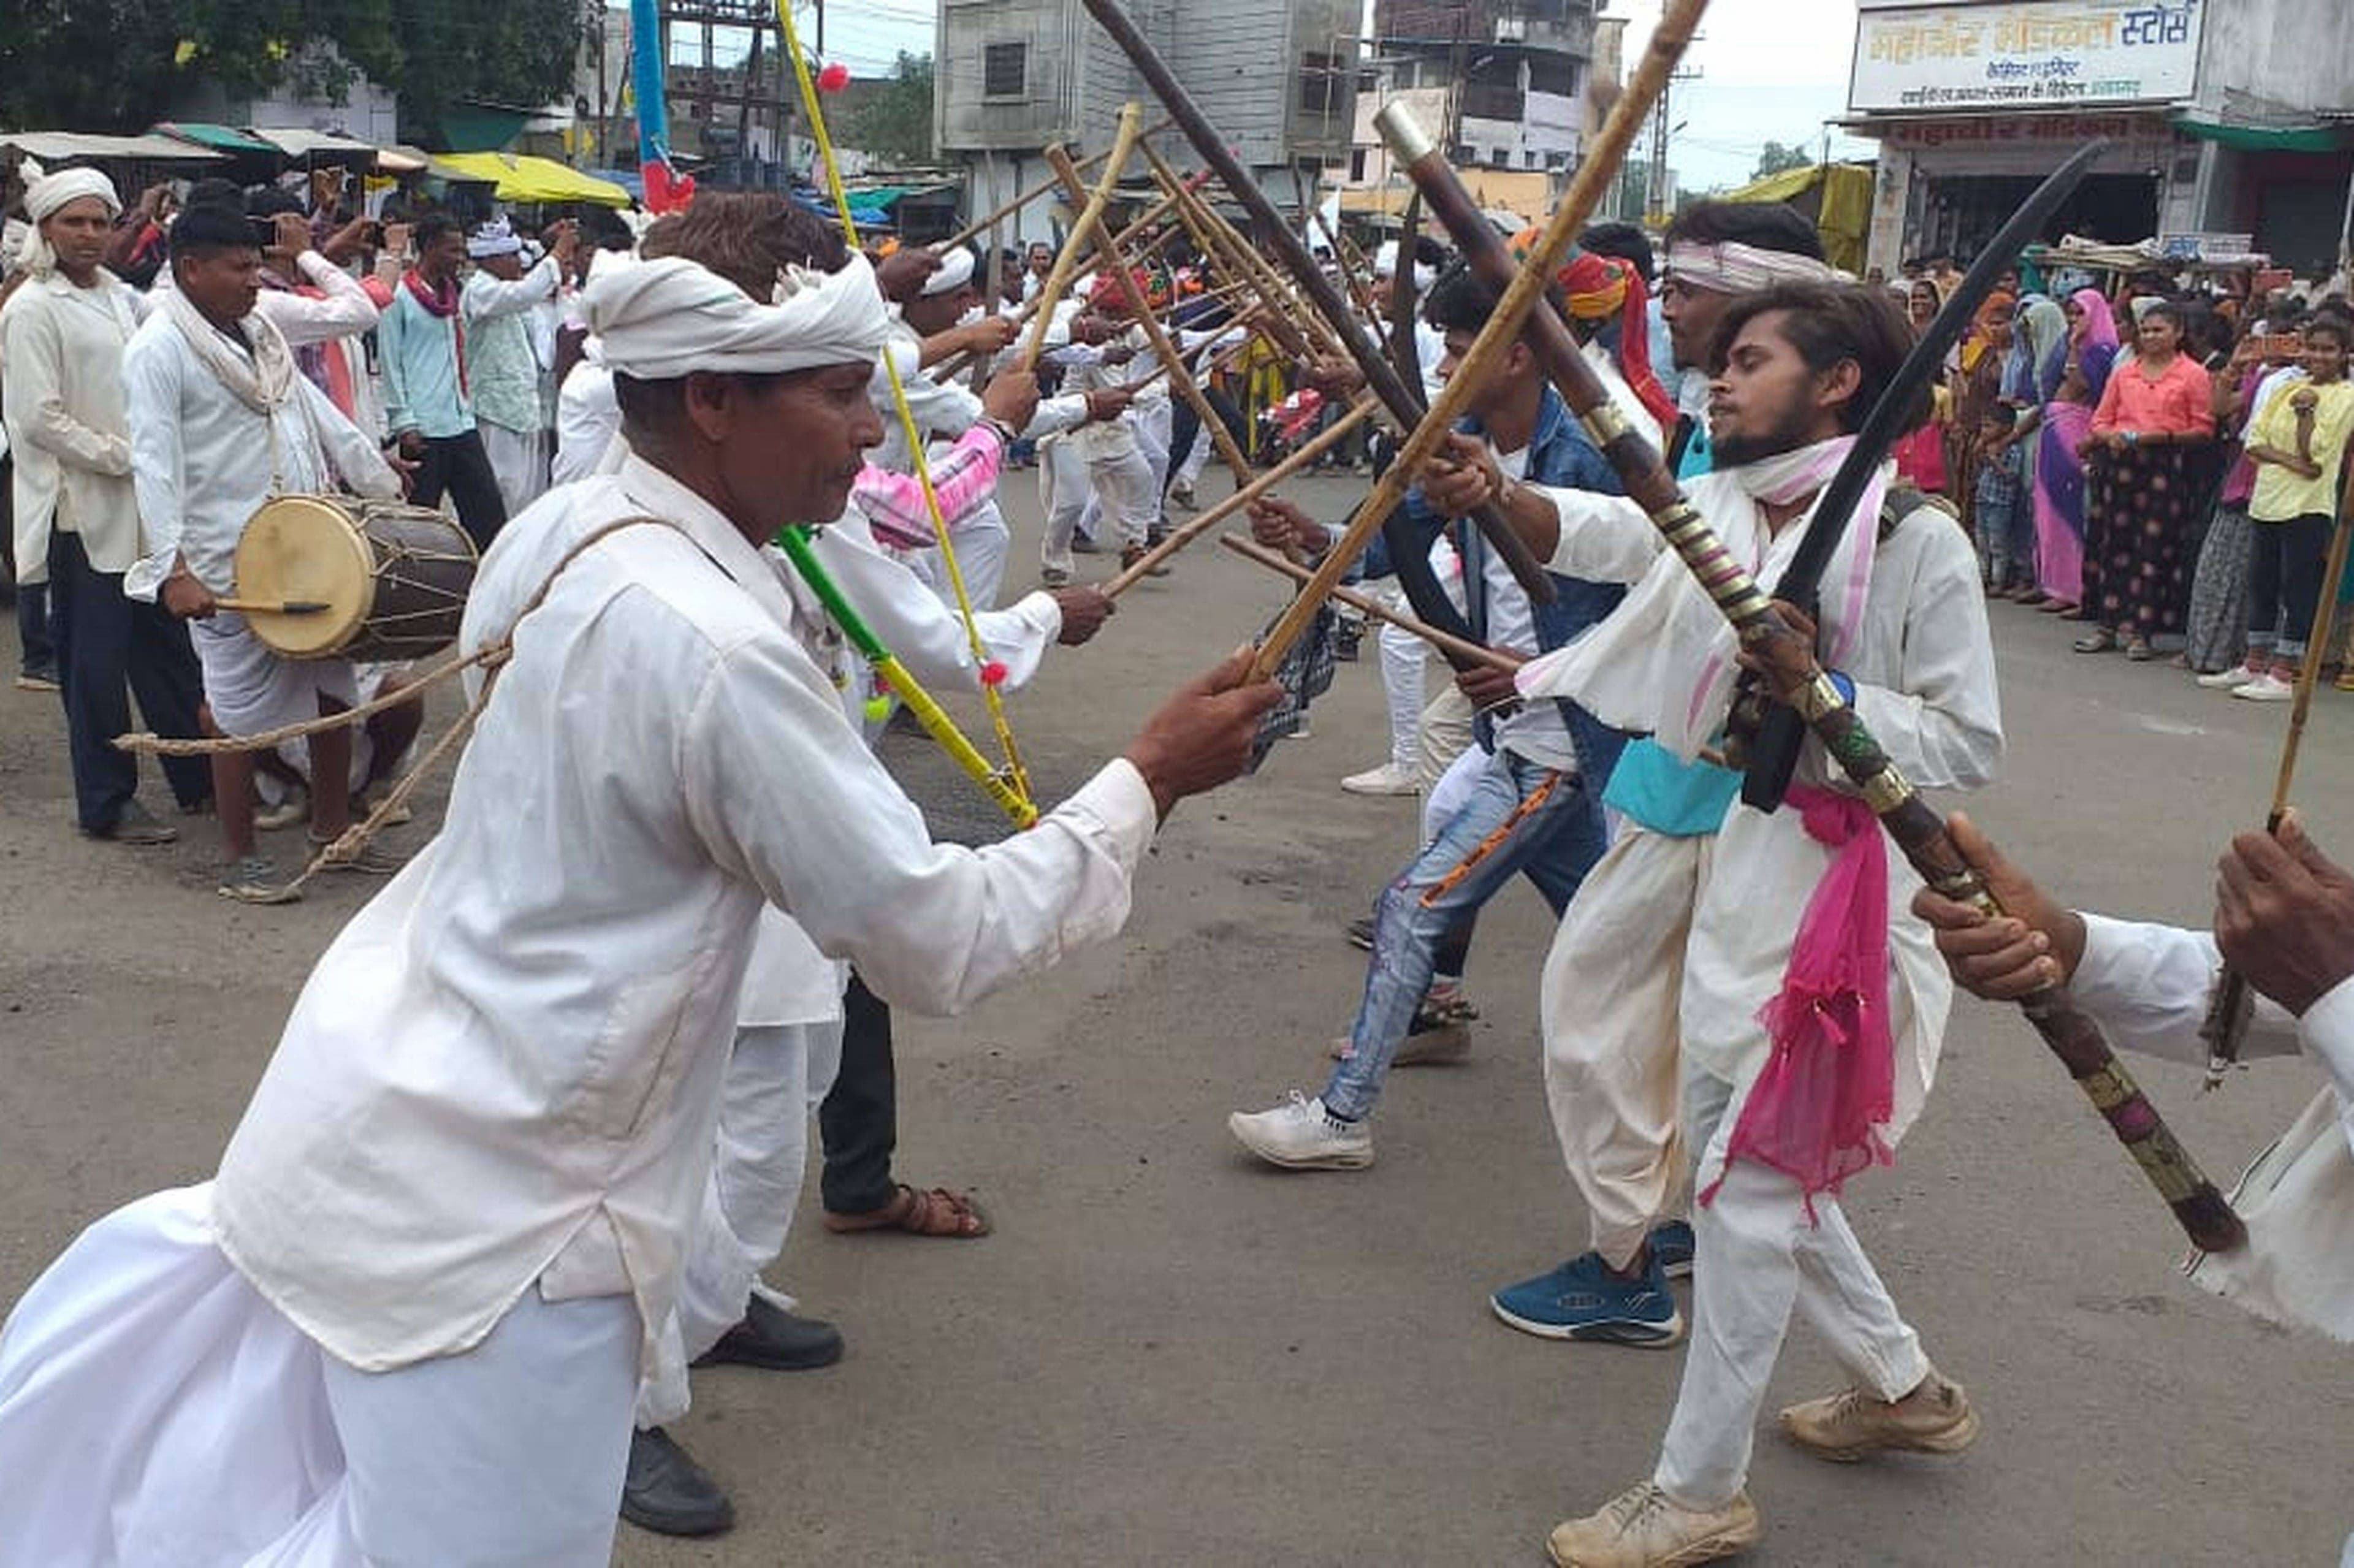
column 262, row 382
column 1664, row 661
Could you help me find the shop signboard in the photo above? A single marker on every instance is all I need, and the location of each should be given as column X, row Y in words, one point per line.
column 2024, row 55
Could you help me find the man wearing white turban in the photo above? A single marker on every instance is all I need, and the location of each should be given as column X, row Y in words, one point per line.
column 409, row 1320
column 77, row 512
column 504, row 371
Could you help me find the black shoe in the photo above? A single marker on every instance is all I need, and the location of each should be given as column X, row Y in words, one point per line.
column 667, row 1492
column 1085, row 544
column 773, row 1338
column 1361, row 933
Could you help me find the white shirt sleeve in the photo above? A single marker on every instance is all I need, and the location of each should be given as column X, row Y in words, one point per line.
column 940, row 409
column 485, row 296
column 781, row 791
column 914, row 623
column 1057, row 415
column 345, row 312
column 1941, row 724
column 353, row 453
column 1604, row 538
column 2148, row 986
column 151, row 395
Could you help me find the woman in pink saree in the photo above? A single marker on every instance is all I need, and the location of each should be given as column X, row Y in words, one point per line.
column 2091, row 349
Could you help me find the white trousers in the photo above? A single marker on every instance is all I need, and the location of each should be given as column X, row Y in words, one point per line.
column 1610, row 1008
column 1404, row 664
column 156, row 1409
column 776, row 1076
column 1197, row 457
column 519, row 462
column 1445, row 731
column 1758, row 1256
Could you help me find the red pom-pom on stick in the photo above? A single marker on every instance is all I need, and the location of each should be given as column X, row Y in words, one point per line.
column 993, row 673
column 833, row 78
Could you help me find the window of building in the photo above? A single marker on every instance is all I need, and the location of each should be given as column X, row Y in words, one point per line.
column 1556, row 160
column 1501, row 157
column 1357, row 165
column 1005, row 71
column 1320, row 82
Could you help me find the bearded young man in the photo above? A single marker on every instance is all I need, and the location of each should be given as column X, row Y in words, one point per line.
column 1903, row 630
column 409, row 1320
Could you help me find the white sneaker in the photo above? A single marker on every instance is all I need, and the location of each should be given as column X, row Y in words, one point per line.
column 2266, row 688
column 1389, row 779
column 1301, row 1135
column 2224, row 680
column 1643, row 1528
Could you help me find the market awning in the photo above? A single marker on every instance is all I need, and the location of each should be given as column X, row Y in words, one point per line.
column 522, row 177
column 2313, row 136
column 318, row 148
column 219, row 138
column 74, row 146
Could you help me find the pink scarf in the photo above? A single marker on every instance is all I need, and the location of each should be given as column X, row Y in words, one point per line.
column 443, row 302
column 1816, row 1111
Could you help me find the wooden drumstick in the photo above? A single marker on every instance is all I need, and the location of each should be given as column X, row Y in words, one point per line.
column 274, row 606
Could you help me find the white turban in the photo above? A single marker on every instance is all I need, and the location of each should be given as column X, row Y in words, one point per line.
column 956, row 271
column 1385, row 259
column 664, row 319
column 47, row 196
column 1732, row 268
column 496, row 238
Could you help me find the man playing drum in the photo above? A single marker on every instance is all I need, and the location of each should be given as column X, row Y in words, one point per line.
column 221, row 421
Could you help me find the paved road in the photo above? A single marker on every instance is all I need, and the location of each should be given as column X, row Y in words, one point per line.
column 1168, row 1355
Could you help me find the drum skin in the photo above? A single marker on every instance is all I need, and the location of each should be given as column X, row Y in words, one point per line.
column 393, row 579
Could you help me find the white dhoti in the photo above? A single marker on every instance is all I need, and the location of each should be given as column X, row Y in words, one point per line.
column 1609, row 1004
column 1064, row 493
column 250, row 689
column 156, row 1409
column 519, row 460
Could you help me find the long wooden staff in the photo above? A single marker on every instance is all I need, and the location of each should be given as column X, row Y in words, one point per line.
column 1668, row 41
column 1285, row 331
column 1405, row 404
column 1919, row 830
column 1194, row 527
column 1459, row 652
column 965, row 236
column 1051, row 292
column 2228, row 1011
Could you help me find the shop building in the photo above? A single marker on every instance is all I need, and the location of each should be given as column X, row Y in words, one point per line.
column 2222, row 118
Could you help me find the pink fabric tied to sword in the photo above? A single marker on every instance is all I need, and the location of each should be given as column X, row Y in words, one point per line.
column 1816, row 1111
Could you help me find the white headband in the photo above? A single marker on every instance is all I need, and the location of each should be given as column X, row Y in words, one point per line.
column 664, row 319
column 1730, row 267
column 956, row 271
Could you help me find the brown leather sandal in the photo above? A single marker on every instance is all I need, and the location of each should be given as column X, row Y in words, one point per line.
column 933, row 1212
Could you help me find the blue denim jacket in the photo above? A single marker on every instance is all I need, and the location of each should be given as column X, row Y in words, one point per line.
column 1560, row 454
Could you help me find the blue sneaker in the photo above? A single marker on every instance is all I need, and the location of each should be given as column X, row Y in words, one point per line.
column 1672, row 1244
column 1583, row 1299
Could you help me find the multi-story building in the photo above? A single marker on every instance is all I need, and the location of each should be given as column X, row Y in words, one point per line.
column 2223, row 118
column 1013, row 77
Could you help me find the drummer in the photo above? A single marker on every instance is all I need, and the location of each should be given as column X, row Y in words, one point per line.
column 221, row 421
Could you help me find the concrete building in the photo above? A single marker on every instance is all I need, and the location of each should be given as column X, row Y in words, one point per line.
column 2224, row 118
column 1013, row 77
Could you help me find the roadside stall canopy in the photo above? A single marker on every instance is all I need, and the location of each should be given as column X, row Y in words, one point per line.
column 318, row 149
column 519, row 177
column 1836, row 199
column 2312, row 136
column 224, row 139
column 58, row 148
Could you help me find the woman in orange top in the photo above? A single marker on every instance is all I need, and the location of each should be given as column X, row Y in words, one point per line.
column 2158, row 408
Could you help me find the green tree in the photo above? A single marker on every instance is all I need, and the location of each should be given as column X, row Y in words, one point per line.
column 1776, row 159
column 892, row 119
column 116, row 65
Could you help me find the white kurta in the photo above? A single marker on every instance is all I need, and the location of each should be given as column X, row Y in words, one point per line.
column 1924, row 670
column 506, row 1066
column 2148, row 987
column 61, row 378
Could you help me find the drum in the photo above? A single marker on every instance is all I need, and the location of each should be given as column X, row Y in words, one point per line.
column 388, row 581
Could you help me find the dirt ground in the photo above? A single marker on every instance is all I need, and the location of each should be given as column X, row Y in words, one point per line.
column 1167, row 1354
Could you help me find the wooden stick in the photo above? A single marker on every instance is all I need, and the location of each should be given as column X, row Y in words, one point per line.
column 273, row 605
column 1194, row 528
column 1459, row 651
column 957, row 362
column 1211, row 235
column 964, row 236
column 1051, row 292
column 1503, row 329
column 1248, row 321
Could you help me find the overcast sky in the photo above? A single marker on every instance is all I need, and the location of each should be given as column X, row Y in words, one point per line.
column 1768, row 70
